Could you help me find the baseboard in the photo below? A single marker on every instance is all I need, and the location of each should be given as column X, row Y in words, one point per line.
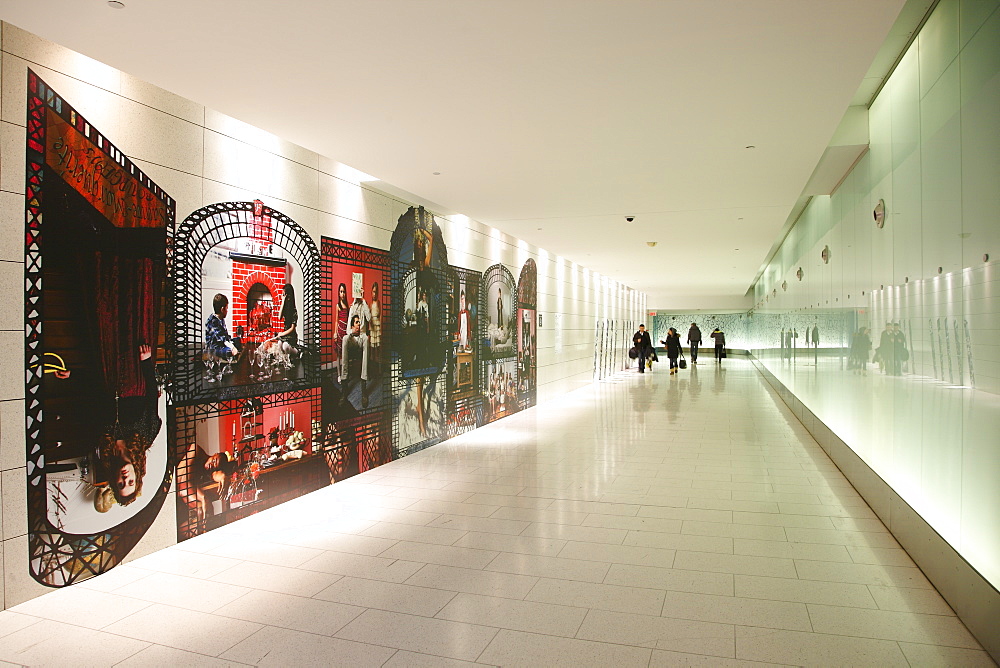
column 971, row 596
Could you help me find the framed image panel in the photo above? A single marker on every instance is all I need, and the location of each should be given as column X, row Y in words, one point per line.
column 238, row 457
column 98, row 233
column 247, row 311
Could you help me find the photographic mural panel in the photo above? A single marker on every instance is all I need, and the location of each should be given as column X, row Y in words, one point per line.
column 97, row 237
column 356, row 308
column 420, row 330
column 465, row 399
column 241, row 456
column 527, row 335
column 499, row 350
column 231, row 351
column 246, row 305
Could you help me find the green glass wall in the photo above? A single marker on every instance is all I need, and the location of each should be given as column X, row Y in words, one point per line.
column 925, row 414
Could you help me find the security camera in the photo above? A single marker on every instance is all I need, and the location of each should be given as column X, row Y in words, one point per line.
column 629, row 219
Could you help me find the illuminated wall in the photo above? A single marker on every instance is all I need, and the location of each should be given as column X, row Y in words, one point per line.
column 251, row 215
column 910, row 238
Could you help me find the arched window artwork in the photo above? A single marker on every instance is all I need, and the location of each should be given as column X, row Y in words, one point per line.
column 270, row 298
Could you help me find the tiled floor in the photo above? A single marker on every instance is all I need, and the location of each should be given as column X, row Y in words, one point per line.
column 643, row 521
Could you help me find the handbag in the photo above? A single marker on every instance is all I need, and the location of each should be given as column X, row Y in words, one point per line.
column 682, row 363
column 633, row 353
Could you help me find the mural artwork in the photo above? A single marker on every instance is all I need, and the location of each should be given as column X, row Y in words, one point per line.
column 97, row 233
column 230, row 351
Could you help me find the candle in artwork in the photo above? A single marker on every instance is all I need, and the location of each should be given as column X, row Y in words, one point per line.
column 293, row 420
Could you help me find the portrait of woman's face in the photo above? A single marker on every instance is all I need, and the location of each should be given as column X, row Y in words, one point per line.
column 342, row 293
column 374, row 290
column 126, row 482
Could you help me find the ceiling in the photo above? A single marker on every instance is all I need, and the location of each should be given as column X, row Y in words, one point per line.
column 551, row 120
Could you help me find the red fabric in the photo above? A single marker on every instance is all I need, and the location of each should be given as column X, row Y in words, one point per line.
column 126, row 296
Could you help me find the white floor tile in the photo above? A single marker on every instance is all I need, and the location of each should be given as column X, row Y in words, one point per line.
column 280, row 647
column 298, row 613
column 532, row 616
column 719, row 536
column 517, row 649
column 616, row 598
column 192, row 631
column 50, row 643
column 449, row 578
column 677, row 635
column 424, row 635
column 815, row 649
column 409, row 599
column 157, row 656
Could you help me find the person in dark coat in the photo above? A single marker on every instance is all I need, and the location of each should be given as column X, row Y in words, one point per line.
column 673, row 344
column 694, row 340
column 861, row 345
column 643, row 346
column 720, row 344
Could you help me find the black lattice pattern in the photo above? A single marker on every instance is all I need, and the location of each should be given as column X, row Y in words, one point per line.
column 55, row 558
column 196, row 236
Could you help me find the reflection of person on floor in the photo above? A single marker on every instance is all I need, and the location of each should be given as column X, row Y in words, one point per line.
column 203, row 478
column 289, row 314
column 375, row 331
column 218, row 342
column 354, row 343
column 464, row 324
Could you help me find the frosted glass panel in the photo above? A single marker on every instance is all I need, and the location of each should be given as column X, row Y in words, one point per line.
column 888, row 334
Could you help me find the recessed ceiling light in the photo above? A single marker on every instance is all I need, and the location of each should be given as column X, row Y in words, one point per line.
column 116, row 4
column 751, row 146
column 437, row 173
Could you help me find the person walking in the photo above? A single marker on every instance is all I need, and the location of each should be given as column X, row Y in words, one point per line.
column 643, row 346
column 694, row 340
column 720, row 344
column 673, row 344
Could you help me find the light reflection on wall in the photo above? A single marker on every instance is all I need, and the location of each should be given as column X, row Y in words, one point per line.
column 917, row 397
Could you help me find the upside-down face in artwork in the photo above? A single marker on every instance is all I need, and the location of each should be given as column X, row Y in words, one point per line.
column 97, row 466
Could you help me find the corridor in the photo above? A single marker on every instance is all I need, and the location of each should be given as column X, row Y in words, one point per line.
column 644, row 520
